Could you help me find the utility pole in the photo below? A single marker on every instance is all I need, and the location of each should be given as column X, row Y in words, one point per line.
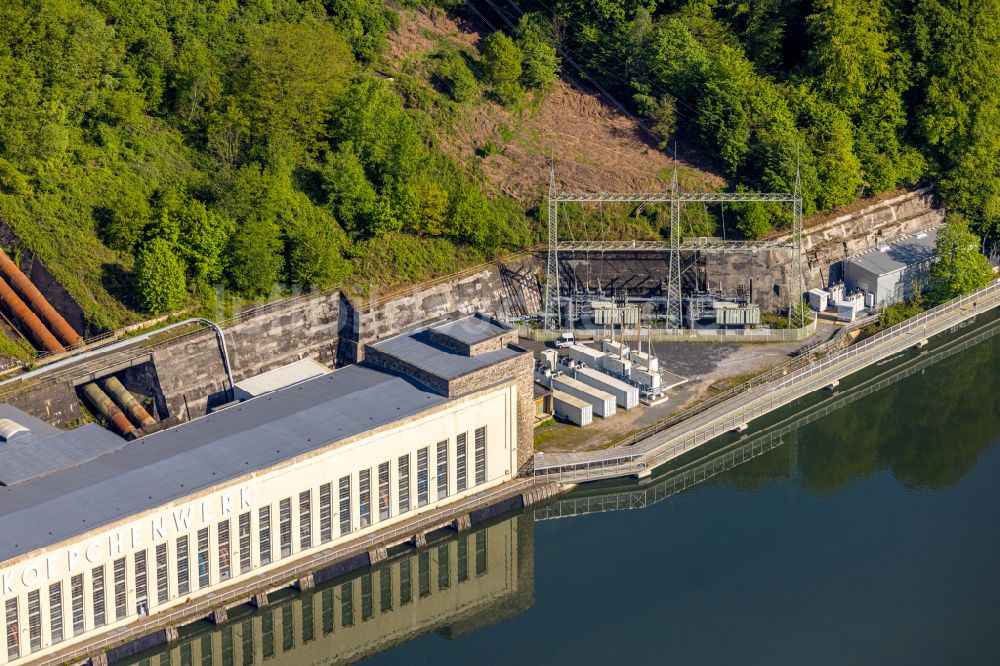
column 797, row 281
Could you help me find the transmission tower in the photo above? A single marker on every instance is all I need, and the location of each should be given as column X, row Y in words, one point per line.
column 553, row 316
column 674, row 316
column 798, row 279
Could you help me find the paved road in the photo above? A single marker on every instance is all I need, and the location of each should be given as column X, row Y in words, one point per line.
column 741, row 409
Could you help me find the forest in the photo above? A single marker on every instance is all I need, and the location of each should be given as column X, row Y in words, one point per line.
column 153, row 152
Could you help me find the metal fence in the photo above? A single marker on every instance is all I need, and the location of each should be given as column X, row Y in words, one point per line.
column 691, row 335
column 750, row 403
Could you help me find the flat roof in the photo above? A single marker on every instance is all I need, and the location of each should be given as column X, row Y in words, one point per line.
column 891, row 257
column 172, row 464
column 472, row 329
column 418, row 348
column 279, row 378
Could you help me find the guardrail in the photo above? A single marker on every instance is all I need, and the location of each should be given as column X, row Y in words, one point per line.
column 283, row 577
column 648, row 451
column 690, row 335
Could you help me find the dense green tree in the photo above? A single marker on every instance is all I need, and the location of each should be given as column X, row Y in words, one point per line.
column 502, row 66
column 455, row 75
column 315, row 244
column 290, row 76
column 959, row 266
column 253, row 257
column 350, row 195
column 540, row 64
column 160, row 277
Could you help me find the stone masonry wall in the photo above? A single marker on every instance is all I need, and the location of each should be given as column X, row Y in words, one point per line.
column 825, row 244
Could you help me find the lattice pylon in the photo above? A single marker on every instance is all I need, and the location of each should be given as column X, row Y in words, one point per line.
column 796, row 284
column 674, row 319
column 553, row 316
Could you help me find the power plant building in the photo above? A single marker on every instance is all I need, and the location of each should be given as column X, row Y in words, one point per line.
column 99, row 531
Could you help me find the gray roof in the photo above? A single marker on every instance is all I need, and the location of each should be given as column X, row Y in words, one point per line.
column 174, row 463
column 418, row 349
column 472, row 329
column 899, row 254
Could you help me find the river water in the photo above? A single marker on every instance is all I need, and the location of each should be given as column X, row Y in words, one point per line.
column 856, row 527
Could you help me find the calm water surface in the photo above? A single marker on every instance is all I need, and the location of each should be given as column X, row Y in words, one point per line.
column 863, row 527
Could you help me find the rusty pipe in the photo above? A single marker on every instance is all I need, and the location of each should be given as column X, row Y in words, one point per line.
column 30, row 293
column 108, row 408
column 28, row 319
column 136, row 412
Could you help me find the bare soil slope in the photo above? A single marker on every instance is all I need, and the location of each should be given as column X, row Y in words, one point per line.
column 591, row 143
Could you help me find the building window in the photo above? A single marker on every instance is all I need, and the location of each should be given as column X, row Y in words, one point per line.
column 162, row 583
column 203, row 577
column 424, row 572
column 422, row 477
column 141, row 595
column 444, row 566
column 365, row 497
column 385, row 589
column 308, row 621
column 325, row 513
column 461, row 464
column 55, row 613
column 367, row 608
column 247, row 636
column 345, row 505
column 183, row 583
column 383, row 491
column 224, row 554
column 285, row 526
column 265, row 534
column 266, row 635
column 305, row 519
column 481, row 552
column 347, row 604
column 405, row 581
column 121, row 598
column 13, row 630
column 480, row 455
column 287, row 628
column 463, row 558
column 35, row 620
column 404, row 483
column 76, row 592
column 326, row 608
column 97, row 585
column 442, row 469
column 245, row 540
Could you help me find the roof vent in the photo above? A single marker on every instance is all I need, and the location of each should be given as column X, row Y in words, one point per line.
column 11, row 430
column 883, row 248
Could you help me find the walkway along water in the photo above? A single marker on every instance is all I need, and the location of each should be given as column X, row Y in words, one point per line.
column 601, row 498
column 736, row 413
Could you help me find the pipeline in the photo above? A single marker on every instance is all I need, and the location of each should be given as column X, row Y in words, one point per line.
column 136, row 412
column 23, row 314
column 34, row 297
column 108, row 409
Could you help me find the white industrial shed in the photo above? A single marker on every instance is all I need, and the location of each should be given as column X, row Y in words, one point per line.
column 893, row 271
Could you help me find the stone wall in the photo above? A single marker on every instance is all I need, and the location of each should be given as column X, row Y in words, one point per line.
column 501, row 290
column 825, row 244
column 186, row 376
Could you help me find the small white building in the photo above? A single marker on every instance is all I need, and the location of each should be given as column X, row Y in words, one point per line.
column 894, row 271
column 570, row 408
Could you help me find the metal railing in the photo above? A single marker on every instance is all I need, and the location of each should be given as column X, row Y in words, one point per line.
column 648, row 450
column 283, row 577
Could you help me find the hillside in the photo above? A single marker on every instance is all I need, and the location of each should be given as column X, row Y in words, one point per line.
column 155, row 156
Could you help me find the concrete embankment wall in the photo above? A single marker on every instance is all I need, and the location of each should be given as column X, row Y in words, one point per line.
column 825, row 244
column 184, row 376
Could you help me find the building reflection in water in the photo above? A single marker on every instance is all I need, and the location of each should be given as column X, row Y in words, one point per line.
column 458, row 583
